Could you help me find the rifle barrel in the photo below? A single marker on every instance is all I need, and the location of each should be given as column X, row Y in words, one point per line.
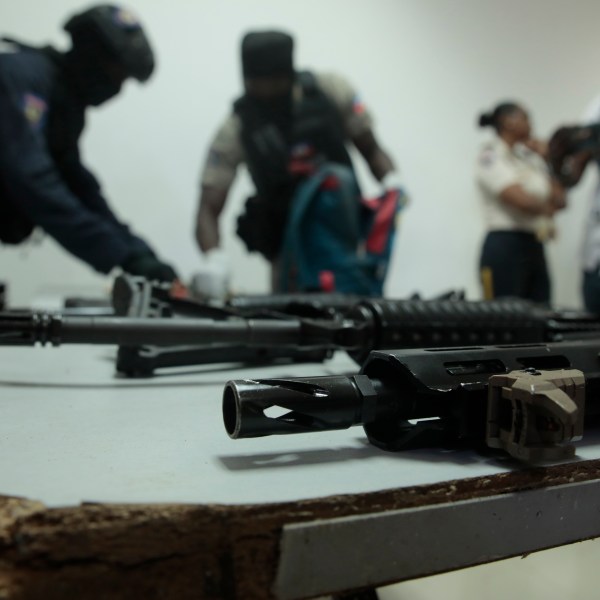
column 29, row 329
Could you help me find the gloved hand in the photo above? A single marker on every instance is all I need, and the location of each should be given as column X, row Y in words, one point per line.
column 211, row 281
column 150, row 267
column 392, row 182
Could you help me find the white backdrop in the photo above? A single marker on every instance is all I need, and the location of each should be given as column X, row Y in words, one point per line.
column 425, row 68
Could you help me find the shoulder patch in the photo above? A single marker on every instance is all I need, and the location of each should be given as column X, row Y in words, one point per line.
column 487, row 158
column 34, row 109
column 358, row 106
column 214, row 158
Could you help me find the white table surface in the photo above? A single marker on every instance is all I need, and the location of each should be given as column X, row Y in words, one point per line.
column 72, row 431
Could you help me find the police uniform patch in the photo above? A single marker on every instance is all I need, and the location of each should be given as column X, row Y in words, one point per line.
column 125, row 18
column 213, row 159
column 358, row 107
column 487, row 158
column 302, row 149
column 34, row 109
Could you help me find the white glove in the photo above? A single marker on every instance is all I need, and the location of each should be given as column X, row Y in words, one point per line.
column 393, row 181
column 211, row 281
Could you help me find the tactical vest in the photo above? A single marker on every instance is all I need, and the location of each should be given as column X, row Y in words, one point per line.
column 316, row 127
column 279, row 159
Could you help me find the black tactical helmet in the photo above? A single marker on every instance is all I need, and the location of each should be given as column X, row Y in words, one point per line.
column 116, row 31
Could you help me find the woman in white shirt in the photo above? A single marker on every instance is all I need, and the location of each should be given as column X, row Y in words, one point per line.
column 520, row 197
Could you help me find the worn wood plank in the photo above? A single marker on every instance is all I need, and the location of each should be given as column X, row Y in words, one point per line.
column 101, row 551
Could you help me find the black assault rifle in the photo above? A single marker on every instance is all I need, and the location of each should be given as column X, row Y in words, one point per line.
column 530, row 400
column 138, row 297
column 370, row 324
column 446, row 323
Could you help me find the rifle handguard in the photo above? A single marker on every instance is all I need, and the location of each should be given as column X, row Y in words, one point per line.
column 535, row 415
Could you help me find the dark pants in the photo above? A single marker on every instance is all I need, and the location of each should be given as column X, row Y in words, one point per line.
column 513, row 264
column 591, row 290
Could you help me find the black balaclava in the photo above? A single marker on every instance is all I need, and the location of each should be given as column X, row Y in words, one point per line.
column 269, row 54
column 86, row 69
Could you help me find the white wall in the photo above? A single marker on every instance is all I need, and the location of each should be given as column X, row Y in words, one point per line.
column 425, row 68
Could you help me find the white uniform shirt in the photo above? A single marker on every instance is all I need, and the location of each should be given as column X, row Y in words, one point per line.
column 591, row 240
column 498, row 167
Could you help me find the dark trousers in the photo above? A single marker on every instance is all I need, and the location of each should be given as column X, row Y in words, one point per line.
column 513, row 264
column 591, row 290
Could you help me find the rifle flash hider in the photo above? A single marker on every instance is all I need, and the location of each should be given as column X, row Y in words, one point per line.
column 534, row 415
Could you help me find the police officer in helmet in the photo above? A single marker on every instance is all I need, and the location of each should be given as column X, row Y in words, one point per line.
column 44, row 94
column 286, row 123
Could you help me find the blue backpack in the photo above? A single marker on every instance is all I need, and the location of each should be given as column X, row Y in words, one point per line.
column 334, row 240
